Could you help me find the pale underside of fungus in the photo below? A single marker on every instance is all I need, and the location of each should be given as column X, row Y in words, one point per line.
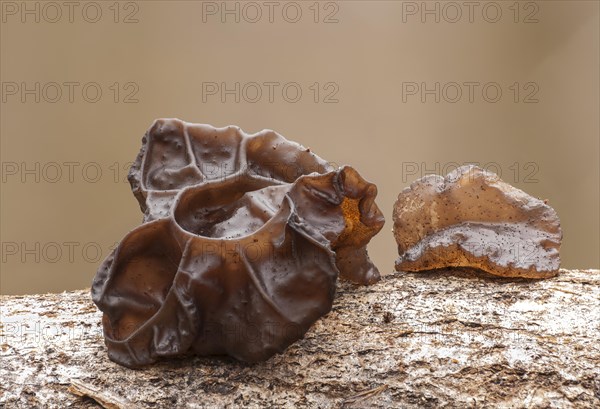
column 243, row 239
column 471, row 218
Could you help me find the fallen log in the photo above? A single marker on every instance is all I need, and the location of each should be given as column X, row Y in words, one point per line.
column 447, row 338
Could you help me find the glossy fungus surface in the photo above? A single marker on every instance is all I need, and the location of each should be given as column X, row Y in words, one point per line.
column 244, row 237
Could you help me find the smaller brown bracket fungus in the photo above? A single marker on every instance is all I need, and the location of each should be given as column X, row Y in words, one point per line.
column 471, row 218
column 243, row 239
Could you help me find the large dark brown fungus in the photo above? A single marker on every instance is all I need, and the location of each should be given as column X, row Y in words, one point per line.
column 471, row 218
column 243, row 239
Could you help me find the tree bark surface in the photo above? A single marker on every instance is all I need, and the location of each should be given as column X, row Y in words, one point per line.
column 440, row 339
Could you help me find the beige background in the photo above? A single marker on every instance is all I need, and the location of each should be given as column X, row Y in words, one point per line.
column 371, row 50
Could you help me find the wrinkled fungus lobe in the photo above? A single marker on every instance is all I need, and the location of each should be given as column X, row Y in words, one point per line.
column 472, row 218
column 240, row 249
